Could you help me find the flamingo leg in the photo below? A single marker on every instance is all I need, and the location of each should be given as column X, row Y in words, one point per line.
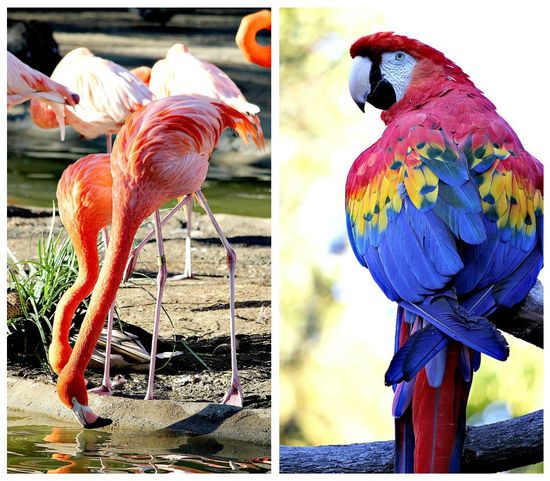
column 106, row 387
column 130, row 266
column 234, row 395
column 161, row 282
column 187, row 271
column 109, row 143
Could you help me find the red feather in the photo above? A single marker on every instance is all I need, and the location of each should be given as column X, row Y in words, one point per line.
column 435, row 417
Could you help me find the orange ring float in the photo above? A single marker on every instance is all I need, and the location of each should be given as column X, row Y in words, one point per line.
column 246, row 38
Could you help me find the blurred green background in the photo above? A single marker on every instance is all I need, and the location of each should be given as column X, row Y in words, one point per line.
column 337, row 327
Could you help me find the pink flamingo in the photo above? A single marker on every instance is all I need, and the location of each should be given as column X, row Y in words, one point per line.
column 162, row 152
column 108, row 95
column 84, row 201
column 180, row 73
column 26, row 83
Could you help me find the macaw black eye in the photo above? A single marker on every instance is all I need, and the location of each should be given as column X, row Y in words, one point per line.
column 399, row 56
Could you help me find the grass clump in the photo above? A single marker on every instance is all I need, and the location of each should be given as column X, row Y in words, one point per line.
column 38, row 285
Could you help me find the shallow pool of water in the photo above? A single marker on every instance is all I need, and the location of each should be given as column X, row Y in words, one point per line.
column 37, row 158
column 37, row 445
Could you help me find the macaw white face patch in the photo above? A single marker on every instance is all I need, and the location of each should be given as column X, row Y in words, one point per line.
column 396, row 68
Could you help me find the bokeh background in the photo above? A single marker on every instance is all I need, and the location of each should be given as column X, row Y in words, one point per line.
column 337, row 327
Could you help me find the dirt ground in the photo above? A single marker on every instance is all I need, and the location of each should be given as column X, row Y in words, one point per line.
column 198, row 307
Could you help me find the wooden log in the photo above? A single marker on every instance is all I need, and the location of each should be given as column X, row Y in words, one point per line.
column 488, row 449
column 525, row 320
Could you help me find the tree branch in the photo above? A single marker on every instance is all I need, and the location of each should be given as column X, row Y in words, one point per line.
column 525, row 320
column 487, row 449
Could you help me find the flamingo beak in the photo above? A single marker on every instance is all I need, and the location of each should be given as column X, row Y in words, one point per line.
column 86, row 417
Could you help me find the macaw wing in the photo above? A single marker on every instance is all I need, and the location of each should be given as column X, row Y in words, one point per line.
column 409, row 199
column 510, row 184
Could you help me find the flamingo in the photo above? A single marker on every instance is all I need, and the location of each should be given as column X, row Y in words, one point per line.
column 161, row 153
column 26, row 83
column 108, row 95
column 84, row 201
column 246, row 38
column 143, row 73
column 180, row 73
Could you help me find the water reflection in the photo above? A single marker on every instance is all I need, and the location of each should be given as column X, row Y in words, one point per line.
column 46, row 449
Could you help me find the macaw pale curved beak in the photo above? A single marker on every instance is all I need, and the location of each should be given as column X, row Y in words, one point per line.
column 87, row 418
column 359, row 80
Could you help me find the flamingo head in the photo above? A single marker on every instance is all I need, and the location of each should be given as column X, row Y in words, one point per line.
column 176, row 50
column 143, row 73
column 80, row 52
column 71, row 389
column 42, row 114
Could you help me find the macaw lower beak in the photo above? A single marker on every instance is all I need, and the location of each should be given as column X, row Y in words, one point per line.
column 87, row 418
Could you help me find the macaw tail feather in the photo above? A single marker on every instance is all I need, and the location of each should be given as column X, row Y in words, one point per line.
column 438, row 418
column 430, row 406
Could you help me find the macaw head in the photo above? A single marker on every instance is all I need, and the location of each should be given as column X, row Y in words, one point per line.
column 388, row 69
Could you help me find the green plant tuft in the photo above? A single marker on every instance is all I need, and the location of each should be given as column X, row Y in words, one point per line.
column 40, row 283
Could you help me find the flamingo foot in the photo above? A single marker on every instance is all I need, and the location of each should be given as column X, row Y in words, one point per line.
column 181, row 277
column 234, row 396
column 102, row 390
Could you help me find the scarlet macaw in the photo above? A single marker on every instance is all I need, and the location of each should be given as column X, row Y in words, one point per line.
column 445, row 210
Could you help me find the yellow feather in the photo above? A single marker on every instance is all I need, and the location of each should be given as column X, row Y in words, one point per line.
column 537, row 200
column 360, row 225
column 530, row 228
column 431, row 178
column 498, row 184
column 514, row 214
column 501, row 205
column 414, row 195
column 432, row 196
column 502, row 152
column 384, row 190
column 383, row 219
column 416, row 177
column 396, row 202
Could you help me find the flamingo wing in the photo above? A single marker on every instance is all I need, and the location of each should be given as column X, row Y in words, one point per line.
column 106, row 89
column 227, row 90
column 180, row 73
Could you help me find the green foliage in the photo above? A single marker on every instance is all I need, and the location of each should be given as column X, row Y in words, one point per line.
column 40, row 283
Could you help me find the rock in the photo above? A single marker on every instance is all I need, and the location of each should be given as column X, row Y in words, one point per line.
column 33, row 43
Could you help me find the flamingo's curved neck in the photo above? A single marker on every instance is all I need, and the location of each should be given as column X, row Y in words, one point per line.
column 124, row 228
column 88, row 271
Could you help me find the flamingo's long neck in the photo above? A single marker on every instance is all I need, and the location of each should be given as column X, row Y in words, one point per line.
column 124, row 228
column 88, row 272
